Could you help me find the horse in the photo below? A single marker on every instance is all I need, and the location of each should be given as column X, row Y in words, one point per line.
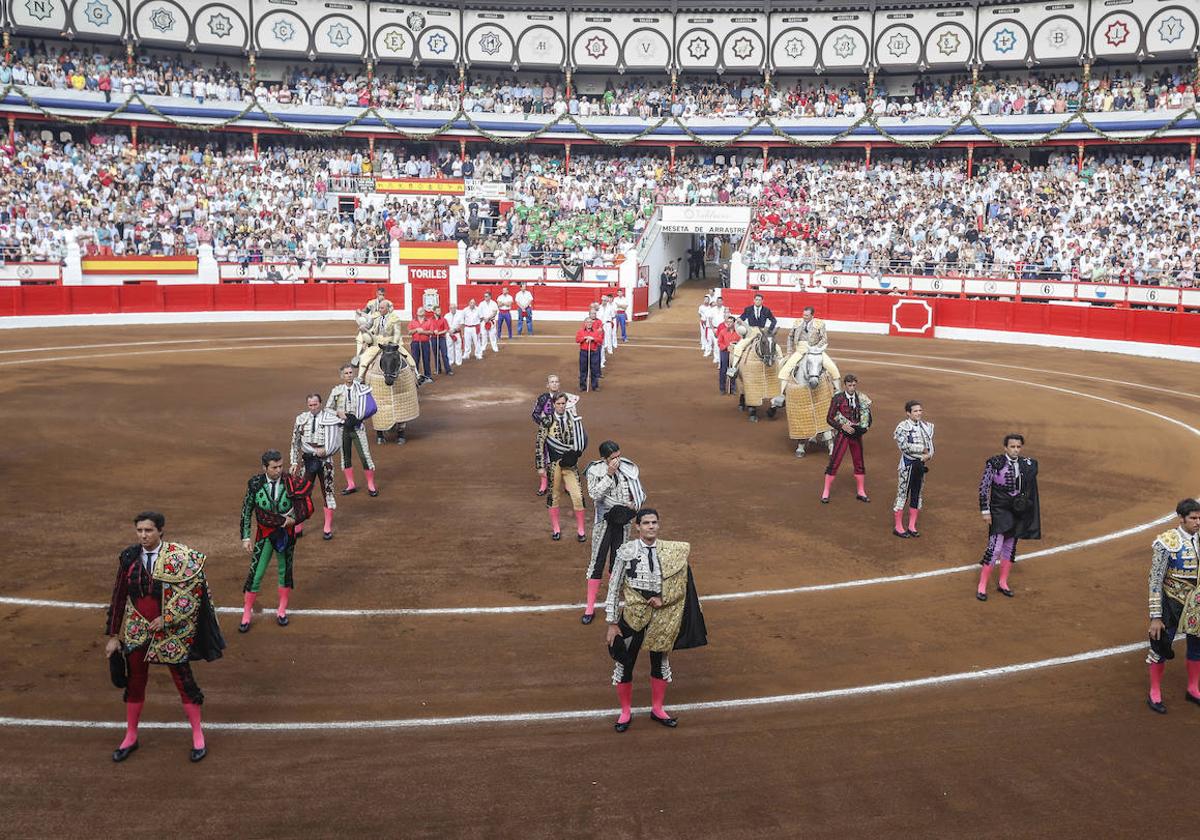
column 809, row 379
column 393, row 380
column 754, row 364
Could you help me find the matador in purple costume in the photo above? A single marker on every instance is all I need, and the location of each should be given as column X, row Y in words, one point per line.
column 543, row 411
column 1008, row 500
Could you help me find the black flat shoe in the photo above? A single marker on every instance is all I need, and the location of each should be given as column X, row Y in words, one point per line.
column 327, row 535
column 1159, row 707
column 542, row 492
column 862, row 498
column 400, row 441
column 621, row 727
column 1007, row 593
column 372, row 493
column 349, row 491
column 379, row 440
column 901, row 534
column 122, row 753
column 556, row 536
column 244, row 628
column 586, row 618
column 913, row 534
column 581, row 537
column 281, row 620
column 299, row 535
column 668, row 722
column 980, row 596
column 198, row 755
column 824, row 500
column 1188, row 696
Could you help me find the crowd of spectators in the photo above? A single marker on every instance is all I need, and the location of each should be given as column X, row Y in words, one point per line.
column 1153, row 89
column 1126, row 218
column 1122, row 219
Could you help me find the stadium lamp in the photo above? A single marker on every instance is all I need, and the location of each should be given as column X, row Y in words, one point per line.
column 516, row 65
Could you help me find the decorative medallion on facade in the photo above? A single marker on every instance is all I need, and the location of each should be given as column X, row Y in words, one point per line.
column 899, row 45
column 844, row 45
column 948, row 43
column 283, row 30
column 1004, row 41
column 697, row 48
column 97, row 13
column 793, row 47
column 394, row 40
column 1171, row 29
column 1116, row 33
column 596, row 47
column 162, row 19
column 743, row 48
column 39, row 9
column 220, row 25
column 415, row 21
column 437, row 44
column 338, row 34
column 490, row 43
column 1057, row 36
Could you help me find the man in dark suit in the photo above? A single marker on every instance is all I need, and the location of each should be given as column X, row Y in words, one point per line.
column 758, row 315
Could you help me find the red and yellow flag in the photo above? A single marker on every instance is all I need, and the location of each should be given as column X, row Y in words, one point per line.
column 429, row 253
column 140, row 265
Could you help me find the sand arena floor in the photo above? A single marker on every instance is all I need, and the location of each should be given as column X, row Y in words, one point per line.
column 435, row 680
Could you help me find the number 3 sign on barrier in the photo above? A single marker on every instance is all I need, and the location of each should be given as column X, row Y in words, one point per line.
column 912, row 317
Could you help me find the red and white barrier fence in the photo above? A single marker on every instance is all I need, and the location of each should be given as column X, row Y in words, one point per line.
column 978, row 287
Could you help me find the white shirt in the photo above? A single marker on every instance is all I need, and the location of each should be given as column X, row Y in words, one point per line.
column 621, row 303
column 488, row 310
column 504, row 302
column 524, row 299
column 455, row 320
column 470, row 316
column 703, row 311
column 149, row 555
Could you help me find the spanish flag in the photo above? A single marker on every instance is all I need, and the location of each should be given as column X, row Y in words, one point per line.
column 420, row 186
column 429, row 253
column 141, row 265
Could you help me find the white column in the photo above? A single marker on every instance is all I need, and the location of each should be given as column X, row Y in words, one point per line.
column 207, row 270
column 738, row 275
column 72, row 272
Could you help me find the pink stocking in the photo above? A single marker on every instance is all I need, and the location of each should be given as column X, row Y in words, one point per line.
column 349, row 473
column 543, row 484
column 247, row 606
column 900, row 521
column 1193, row 671
column 1156, row 675
column 1005, row 568
column 593, row 589
column 985, row 574
column 133, row 713
column 861, row 481
column 658, row 693
column 328, row 521
column 828, row 486
column 625, row 695
column 554, row 525
column 912, row 519
column 284, row 593
column 193, row 715
column 581, row 529
column 370, row 474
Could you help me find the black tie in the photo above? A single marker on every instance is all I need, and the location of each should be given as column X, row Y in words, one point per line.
column 650, row 558
column 150, row 560
column 314, row 425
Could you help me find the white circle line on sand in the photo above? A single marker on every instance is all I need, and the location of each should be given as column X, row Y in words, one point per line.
column 761, row 593
column 581, row 714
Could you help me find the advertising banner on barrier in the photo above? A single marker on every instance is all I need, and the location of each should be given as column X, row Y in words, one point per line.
column 140, row 265
column 352, row 272
column 1047, row 289
column 1100, row 292
column 727, row 219
column 1154, row 295
column 937, row 285
column 14, row 274
column 420, row 186
column 999, row 288
column 912, row 317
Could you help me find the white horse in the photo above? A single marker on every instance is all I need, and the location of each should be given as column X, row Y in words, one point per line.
column 810, row 379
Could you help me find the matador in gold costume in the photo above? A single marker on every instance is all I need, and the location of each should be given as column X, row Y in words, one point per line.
column 661, row 610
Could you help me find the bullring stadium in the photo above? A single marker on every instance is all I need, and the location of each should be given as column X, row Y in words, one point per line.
column 301, row 270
